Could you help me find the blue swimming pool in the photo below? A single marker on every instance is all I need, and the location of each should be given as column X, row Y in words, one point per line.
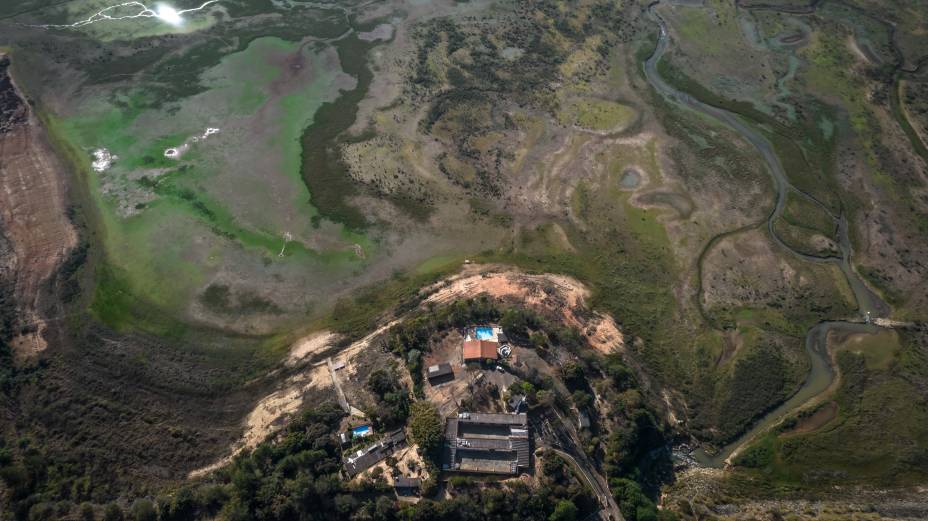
column 484, row 333
column 360, row 432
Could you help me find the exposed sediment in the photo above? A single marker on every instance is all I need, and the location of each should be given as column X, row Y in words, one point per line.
column 33, row 221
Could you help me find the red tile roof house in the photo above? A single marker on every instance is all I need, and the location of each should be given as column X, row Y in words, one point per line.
column 478, row 350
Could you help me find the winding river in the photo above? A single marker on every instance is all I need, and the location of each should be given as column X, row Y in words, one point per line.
column 821, row 373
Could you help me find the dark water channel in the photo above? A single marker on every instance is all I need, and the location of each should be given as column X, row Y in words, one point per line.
column 821, row 372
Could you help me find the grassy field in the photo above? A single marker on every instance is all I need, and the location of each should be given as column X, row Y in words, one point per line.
column 804, row 225
column 800, row 211
column 596, row 115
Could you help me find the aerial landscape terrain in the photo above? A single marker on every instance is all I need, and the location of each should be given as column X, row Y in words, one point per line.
column 412, row 260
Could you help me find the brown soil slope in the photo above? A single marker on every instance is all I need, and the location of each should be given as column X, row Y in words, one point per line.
column 32, row 213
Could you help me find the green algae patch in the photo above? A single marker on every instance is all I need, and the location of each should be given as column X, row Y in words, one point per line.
column 211, row 184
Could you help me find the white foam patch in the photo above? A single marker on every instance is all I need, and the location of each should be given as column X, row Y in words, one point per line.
column 102, row 160
column 176, row 152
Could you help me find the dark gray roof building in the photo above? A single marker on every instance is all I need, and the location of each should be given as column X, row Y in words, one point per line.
column 404, row 482
column 363, row 459
column 439, row 372
column 406, row 487
column 517, row 403
column 583, row 420
column 488, row 443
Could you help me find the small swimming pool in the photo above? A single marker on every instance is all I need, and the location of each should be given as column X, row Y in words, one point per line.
column 360, row 432
column 484, row 333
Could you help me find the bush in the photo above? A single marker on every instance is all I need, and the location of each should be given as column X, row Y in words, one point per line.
column 85, row 512
column 112, row 512
column 425, row 428
column 392, row 397
column 144, row 510
column 633, row 503
column 565, row 511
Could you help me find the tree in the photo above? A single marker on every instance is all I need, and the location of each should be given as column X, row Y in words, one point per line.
column 112, row 512
column 381, row 382
column 383, row 509
column 565, row 510
column 425, row 428
column 392, row 405
column 546, row 398
column 632, row 501
column 620, row 375
column 182, row 506
column 514, row 322
column 573, row 376
column 582, row 399
column 538, row 339
column 345, row 504
column 143, row 510
column 85, row 512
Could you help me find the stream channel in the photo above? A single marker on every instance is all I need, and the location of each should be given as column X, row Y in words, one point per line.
column 821, row 373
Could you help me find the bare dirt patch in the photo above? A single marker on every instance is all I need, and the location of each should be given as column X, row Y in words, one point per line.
column 32, row 211
column 274, row 410
column 559, row 294
column 310, row 345
column 408, row 464
column 446, row 395
column 816, row 420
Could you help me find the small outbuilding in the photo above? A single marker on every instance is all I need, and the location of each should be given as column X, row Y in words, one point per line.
column 583, row 420
column 517, row 404
column 406, row 486
column 439, row 373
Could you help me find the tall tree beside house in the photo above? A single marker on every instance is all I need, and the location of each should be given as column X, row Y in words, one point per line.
column 425, row 428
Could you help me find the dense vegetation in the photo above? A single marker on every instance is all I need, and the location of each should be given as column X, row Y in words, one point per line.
column 879, row 386
column 392, row 405
column 471, row 99
column 426, row 429
column 295, row 477
column 759, row 382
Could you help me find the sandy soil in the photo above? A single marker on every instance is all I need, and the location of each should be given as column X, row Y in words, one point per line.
column 557, row 293
column 32, row 211
column 407, row 459
column 272, row 412
column 310, row 345
column 446, row 395
column 856, row 50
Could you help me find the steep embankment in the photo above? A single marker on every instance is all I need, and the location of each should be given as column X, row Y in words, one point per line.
column 33, row 219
